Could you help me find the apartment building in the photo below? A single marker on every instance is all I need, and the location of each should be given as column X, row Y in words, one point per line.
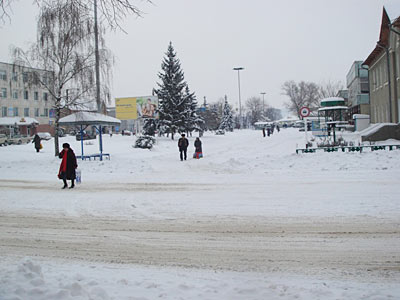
column 358, row 89
column 21, row 95
column 384, row 73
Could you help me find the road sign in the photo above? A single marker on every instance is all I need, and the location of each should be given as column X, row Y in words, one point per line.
column 304, row 112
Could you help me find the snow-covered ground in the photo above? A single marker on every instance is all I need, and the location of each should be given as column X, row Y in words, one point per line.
column 251, row 220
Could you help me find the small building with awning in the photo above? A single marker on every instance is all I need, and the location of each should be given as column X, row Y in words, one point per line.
column 334, row 110
column 17, row 125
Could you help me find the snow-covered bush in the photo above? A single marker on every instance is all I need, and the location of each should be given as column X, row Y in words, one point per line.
column 145, row 142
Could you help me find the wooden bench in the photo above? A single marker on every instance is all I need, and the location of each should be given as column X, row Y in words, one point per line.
column 94, row 156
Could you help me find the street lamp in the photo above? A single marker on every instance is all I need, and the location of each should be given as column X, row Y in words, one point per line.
column 240, row 103
column 263, row 93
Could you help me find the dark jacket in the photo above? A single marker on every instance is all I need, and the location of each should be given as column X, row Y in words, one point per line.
column 183, row 143
column 36, row 140
column 71, row 165
column 197, row 146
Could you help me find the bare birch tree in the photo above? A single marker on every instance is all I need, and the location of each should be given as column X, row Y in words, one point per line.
column 330, row 89
column 65, row 47
column 255, row 109
column 301, row 94
column 113, row 11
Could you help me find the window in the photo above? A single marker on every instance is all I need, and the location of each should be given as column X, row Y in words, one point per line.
column 3, row 93
column 46, row 112
column 26, row 95
column 16, row 114
column 36, row 112
column 26, row 112
column 11, row 111
column 398, row 62
column 14, row 76
column 4, row 111
column 35, row 78
column 25, row 77
column 15, row 94
column 3, row 74
column 36, row 96
column 45, row 96
column 45, row 79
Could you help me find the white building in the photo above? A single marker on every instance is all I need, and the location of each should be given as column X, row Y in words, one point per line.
column 22, row 96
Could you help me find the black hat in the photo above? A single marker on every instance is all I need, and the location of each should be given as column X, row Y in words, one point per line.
column 66, row 145
column 183, row 134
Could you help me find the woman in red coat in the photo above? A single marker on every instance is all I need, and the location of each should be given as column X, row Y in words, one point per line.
column 68, row 166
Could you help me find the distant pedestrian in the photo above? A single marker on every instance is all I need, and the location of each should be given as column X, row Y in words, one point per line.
column 263, row 132
column 36, row 141
column 183, row 144
column 198, row 149
column 268, row 131
column 67, row 166
column 277, row 128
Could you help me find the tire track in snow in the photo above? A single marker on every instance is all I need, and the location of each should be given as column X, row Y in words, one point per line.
column 356, row 246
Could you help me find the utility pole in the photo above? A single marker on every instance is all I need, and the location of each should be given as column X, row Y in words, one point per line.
column 263, row 109
column 96, row 45
column 238, row 69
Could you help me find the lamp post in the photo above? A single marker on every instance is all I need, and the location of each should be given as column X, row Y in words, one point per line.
column 263, row 110
column 238, row 69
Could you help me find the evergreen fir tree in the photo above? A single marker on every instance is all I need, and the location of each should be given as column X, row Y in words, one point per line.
column 171, row 94
column 149, row 127
column 227, row 122
column 192, row 120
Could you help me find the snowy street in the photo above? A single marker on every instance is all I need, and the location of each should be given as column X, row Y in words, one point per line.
column 251, row 220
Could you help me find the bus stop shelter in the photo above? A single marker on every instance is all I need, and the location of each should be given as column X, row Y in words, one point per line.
column 83, row 119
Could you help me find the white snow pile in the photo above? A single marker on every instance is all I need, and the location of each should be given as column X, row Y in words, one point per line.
column 71, row 281
column 28, row 282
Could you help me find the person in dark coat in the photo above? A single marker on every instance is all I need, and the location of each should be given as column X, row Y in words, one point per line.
column 68, row 166
column 183, row 144
column 268, row 131
column 198, row 149
column 36, row 141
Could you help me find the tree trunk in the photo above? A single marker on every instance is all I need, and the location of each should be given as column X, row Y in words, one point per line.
column 57, row 128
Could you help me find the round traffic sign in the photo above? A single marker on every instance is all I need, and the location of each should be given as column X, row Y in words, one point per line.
column 304, row 111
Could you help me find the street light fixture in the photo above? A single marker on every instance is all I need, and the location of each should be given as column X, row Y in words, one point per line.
column 238, row 69
column 263, row 111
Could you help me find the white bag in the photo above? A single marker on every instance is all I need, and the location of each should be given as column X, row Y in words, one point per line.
column 78, row 176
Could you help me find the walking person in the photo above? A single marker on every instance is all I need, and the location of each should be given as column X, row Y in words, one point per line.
column 268, row 131
column 67, row 166
column 183, row 144
column 198, row 150
column 36, row 141
column 263, row 131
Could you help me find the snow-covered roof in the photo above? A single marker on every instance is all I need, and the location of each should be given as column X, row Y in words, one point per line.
column 374, row 128
column 263, row 123
column 88, row 118
column 360, row 116
column 331, row 99
column 333, row 108
column 8, row 121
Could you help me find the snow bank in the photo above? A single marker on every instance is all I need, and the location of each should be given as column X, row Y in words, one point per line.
column 42, row 280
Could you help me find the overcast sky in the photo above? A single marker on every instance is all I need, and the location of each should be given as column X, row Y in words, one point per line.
column 275, row 41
